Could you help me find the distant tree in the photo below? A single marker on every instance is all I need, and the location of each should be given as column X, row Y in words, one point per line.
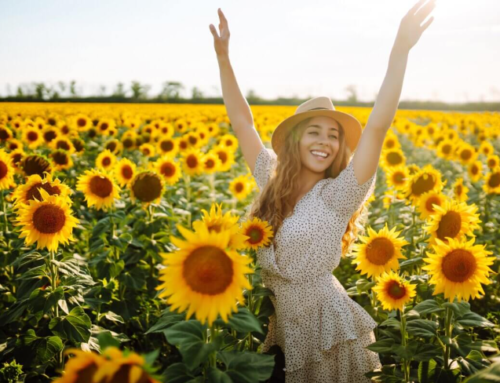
column 196, row 93
column 251, row 95
column 119, row 90
column 139, row 91
column 20, row 93
column 171, row 89
column 353, row 94
column 72, row 89
column 102, row 90
column 40, row 90
column 62, row 86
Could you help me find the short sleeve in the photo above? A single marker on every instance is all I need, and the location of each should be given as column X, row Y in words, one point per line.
column 344, row 194
column 264, row 165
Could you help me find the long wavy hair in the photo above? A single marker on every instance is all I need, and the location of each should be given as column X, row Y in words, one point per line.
column 277, row 197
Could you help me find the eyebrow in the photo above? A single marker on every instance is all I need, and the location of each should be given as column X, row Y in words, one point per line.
column 317, row 126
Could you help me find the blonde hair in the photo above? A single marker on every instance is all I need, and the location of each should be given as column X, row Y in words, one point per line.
column 277, row 196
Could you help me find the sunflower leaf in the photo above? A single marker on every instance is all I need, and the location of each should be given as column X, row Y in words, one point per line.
column 422, row 328
column 75, row 326
column 427, row 307
column 244, row 321
column 246, row 367
column 472, row 319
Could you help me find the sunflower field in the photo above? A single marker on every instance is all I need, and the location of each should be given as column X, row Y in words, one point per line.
column 128, row 254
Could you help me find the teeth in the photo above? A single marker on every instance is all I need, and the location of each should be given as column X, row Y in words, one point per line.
column 319, row 153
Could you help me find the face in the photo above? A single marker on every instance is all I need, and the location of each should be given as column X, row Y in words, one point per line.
column 321, row 134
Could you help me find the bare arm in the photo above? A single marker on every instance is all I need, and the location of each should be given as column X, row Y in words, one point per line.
column 366, row 157
column 237, row 107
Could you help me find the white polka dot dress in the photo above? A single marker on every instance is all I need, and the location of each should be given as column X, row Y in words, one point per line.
column 321, row 330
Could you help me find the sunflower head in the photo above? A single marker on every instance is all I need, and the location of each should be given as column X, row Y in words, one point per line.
column 106, row 160
column 30, row 191
column 7, row 171
column 393, row 291
column 99, row 188
column 146, row 187
column 125, row 171
column 169, row 169
column 259, row 233
column 35, row 164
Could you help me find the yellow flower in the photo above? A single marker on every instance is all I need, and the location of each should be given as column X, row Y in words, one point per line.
column 211, row 163
column 460, row 190
column 146, row 187
column 47, row 222
column 167, row 145
column 458, row 268
column 445, row 149
column 63, row 143
column 31, row 189
column 454, row 219
column 7, row 171
column 204, row 276
column 99, row 188
column 475, row 170
column 81, row 122
column 191, row 161
column 168, row 168
column 393, row 291
column 114, row 146
column 106, row 160
column 493, row 161
column 105, row 126
column 259, row 233
column 427, row 202
column 392, row 158
column 240, row 187
column 32, row 137
column 466, row 153
column 61, row 160
column 147, row 149
column 50, row 133
column 226, row 157
column 492, row 181
column 397, row 177
column 425, row 180
column 125, row 171
column 81, row 368
column 228, row 141
column 379, row 252
column 35, row 164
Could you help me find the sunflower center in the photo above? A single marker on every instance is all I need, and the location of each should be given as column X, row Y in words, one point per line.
column 81, row 122
column 459, row 189
column 449, row 226
column 423, row 184
column 104, row 126
column 127, row 172
column 49, row 219
column 430, row 202
column 101, row 186
column 60, row 158
column 459, row 265
column 32, row 136
column 3, row 170
column 147, row 187
column 491, row 163
column 4, row 134
column 111, row 146
column 35, row 165
column 255, row 234
column 446, row 149
column 106, row 161
column 208, row 270
column 192, row 140
column 128, row 143
column 166, row 146
column 49, row 136
column 474, row 170
column 215, row 227
column 396, row 290
column 192, row 161
column 379, row 251
column 494, row 180
column 394, row 158
column 239, row 187
column 399, row 178
column 466, row 154
column 222, row 157
column 63, row 145
column 167, row 170
column 33, row 191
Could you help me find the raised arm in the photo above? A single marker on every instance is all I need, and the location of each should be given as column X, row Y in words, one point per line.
column 237, row 107
column 366, row 157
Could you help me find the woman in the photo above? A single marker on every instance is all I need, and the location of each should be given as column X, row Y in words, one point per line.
column 312, row 194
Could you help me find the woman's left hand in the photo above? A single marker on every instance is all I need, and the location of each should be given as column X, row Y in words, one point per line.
column 410, row 29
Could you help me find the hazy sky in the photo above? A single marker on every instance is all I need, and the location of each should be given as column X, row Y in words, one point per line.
column 277, row 48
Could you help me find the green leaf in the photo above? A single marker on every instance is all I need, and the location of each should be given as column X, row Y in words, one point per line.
column 422, row 327
column 188, row 338
column 471, row 319
column 75, row 326
column 246, row 367
column 382, row 346
column 101, row 227
column 180, row 373
column 427, row 307
column 427, row 352
column 407, row 264
column 391, row 322
column 167, row 319
column 47, row 347
column 459, row 308
column 106, row 340
column 244, row 321
column 490, row 374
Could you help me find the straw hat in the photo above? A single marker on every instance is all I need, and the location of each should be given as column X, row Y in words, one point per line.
column 318, row 106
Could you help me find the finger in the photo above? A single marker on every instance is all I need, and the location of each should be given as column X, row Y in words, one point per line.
column 214, row 31
column 427, row 23
column 415, row 7
column 425, row 11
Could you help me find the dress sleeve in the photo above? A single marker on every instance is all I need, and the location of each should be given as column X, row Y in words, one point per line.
column 344, row 194
column 264, row 165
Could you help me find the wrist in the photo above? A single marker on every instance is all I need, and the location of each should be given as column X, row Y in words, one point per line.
column 223, row 58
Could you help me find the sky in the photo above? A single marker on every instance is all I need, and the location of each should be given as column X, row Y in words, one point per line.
column 277, row 48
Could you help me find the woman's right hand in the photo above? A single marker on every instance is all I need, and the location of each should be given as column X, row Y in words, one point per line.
column 221, row 41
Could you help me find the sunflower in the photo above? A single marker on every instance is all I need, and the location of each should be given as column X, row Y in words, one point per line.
column 50, row 133
column 82, row 123
column 63, row 143
column 259, row 233
column 32, row 137
column 215, row 221
column 105, row 126
column 147, row 149
column 47, row 222
column 486, row 148
column 393, row 291
column 167, row 145
column 204, row 275
column 458, row 268
column 7, row 171
column 114, row 146
column 99, row 188
column 452, row 220
column 445, row 149
column 379, row 252
column 460, row 190
column 5, row 134
column 78, row 144
column 211, row 163
column 228, row 141
column 105, row 160
column 61, row 160
column 191, row 161
column 146, row 187
column 226, row 157
column 492, row 181
column 475, row 170
column 392, row 158
column 397, row 177
column 80, row 368
column 391, row 141
column 168, row 168
column 492, row 161
column 14, row 144
column 128, row 140
column 35, row 164
column 240, row 187
column 465, row 153
column 427, row 202
column 425, row 180
column 31, row 189
column 125, row 171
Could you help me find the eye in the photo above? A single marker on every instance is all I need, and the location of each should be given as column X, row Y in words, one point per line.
column 313, row 132
column 333, row 136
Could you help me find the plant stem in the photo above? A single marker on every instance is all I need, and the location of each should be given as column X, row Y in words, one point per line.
column 403, row 338
column 448, row 330
column 4, row 213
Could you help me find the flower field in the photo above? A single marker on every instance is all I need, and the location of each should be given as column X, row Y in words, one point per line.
column 128, row 251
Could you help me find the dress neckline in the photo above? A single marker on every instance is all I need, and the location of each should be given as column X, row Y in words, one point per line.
column 304, row 197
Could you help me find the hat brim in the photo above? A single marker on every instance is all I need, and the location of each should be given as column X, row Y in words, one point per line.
column 352, row 127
